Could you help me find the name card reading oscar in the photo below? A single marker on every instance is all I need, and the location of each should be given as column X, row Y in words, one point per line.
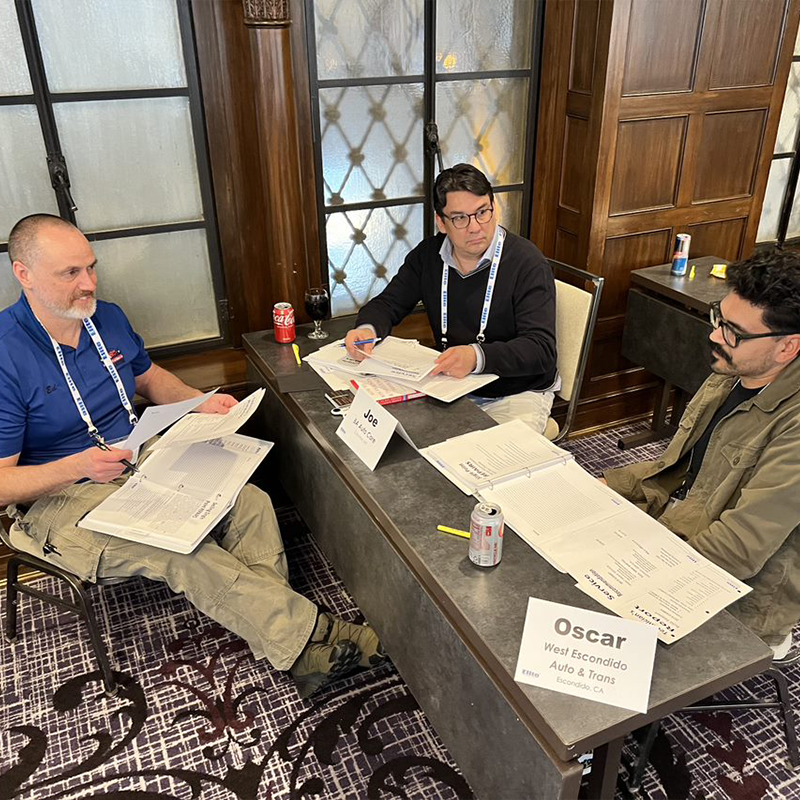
column 587, row 654
column 367, row 428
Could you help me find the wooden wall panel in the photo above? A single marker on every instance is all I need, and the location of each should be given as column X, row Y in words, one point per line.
column 723, row 239
column 626, row 253
column 583, row 46
column 572, row 171
column 665, row 146
column 647, row 164
column 727, row 155
column 748, row 37
column 661, row 52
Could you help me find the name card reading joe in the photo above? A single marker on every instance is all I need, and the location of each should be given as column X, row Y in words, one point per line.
column 587, row 654
column 367, row 428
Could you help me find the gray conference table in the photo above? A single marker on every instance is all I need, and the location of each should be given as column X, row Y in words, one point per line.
column 452, row 629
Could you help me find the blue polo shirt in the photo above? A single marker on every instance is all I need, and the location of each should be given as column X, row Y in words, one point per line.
column 38, row 417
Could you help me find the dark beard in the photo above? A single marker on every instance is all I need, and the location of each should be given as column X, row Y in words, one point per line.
column 717, row 351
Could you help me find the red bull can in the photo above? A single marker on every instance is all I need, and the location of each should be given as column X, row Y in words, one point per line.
column 486, row 535
column 680, row 258
column 283, row 317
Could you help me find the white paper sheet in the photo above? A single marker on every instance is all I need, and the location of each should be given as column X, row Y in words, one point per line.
column 156, row 418
column 482, row 458
column 202, row 427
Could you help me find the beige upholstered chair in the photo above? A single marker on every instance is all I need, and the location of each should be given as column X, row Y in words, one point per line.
column 576, row 314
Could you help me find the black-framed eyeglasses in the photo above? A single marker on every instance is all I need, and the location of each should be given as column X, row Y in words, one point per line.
column 462, row 220
column 732, row 337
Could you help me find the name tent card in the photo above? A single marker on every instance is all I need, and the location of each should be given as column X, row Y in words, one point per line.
column 367, row 428
column 587, row 654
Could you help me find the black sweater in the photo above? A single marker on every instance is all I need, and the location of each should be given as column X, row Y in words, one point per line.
column 520, row 343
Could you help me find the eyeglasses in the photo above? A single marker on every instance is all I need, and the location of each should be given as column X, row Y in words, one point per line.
column 732, row 337
column 462, row 220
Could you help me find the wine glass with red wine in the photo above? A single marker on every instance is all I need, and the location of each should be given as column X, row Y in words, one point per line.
column 318, row 303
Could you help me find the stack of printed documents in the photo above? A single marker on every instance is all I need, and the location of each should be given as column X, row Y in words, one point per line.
column 190, row 480
column 618, row 555
column 405, row 363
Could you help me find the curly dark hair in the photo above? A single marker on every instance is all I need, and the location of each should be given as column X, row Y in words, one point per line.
column 460, row 178
column 770, row 279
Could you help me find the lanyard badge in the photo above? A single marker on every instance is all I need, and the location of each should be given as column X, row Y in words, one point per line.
column 102, row 351
column 487, row 300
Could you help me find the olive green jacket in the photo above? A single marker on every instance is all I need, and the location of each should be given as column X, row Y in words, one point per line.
column 743, row 511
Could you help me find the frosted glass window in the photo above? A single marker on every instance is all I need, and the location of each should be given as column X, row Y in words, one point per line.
column 14, row 78
column 371, row 142
column 790, row 115
column 24, row 179
column 508, row 210
column 369, row 38
column 483, row 123
column 131, row 162
column 773, row 200
column 119, row 44
column 162, row 282
column 478, row 36
column 365, row 250
column 793, row 228
column 9, row 285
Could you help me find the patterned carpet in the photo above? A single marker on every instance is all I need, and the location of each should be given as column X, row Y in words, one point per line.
column 198, row 718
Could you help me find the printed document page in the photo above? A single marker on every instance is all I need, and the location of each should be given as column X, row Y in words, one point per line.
column 399, row 358
column 202, row 427
column 156, row 418
column 553, row 502
column 480, row 459
column 447, row 388
column 676, row 604
column 180, row 493
column 333, row 356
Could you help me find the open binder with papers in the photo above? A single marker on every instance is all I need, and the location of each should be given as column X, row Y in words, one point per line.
column 183, row 489
column 617, row 554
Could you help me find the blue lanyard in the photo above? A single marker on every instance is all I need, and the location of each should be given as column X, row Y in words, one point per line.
column 102, row 350
column 487, row 300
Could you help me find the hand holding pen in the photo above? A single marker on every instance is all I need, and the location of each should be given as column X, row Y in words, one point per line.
column 360, row 342
column 101, row 445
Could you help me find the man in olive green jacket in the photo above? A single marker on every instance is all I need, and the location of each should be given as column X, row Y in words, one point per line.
column 729, row 481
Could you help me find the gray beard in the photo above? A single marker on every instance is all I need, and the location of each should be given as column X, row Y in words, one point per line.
column 76, row 313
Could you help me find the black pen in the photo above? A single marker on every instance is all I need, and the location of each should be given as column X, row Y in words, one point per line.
column 103, row 446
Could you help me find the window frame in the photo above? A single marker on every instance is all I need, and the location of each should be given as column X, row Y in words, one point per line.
column 44, row 101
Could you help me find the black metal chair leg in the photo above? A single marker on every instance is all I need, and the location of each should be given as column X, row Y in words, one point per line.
column 643, row 756
column 12, row 571
column 98, row 645
column 782, row 685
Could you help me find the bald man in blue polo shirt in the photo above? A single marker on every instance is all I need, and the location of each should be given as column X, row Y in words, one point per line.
column 58, row 395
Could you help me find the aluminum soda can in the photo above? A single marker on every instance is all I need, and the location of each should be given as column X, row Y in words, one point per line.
column 486, row 535
column 283, row 317
column 680, row 257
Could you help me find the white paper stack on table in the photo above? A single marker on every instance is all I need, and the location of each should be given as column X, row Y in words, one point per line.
column 404, row 361
column 188, row 483
column 618, row 555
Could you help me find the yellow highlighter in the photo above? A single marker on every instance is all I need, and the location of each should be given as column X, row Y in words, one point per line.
column 296, row 350
column 453, row 531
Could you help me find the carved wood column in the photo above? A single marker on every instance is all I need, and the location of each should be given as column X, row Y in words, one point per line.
column 290, row 221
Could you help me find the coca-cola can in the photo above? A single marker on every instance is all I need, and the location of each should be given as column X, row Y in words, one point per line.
column 283, row 317
column 486, row 535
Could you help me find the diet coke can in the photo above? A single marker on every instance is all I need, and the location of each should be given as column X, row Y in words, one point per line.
column 283, row 317
column 486, row 535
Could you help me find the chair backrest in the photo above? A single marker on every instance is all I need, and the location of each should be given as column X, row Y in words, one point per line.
column 576, row 315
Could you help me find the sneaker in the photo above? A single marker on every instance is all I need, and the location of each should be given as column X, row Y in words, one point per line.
column 319, row 664
column 331, row 629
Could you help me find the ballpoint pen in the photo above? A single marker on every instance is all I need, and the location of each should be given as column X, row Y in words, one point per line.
column 103, row 446
column 363, row 341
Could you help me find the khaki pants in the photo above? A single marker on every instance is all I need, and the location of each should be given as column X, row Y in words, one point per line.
column 242, row 583
column 531, row 407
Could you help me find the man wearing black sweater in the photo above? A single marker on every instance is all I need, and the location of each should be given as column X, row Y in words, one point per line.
column 490, row 299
